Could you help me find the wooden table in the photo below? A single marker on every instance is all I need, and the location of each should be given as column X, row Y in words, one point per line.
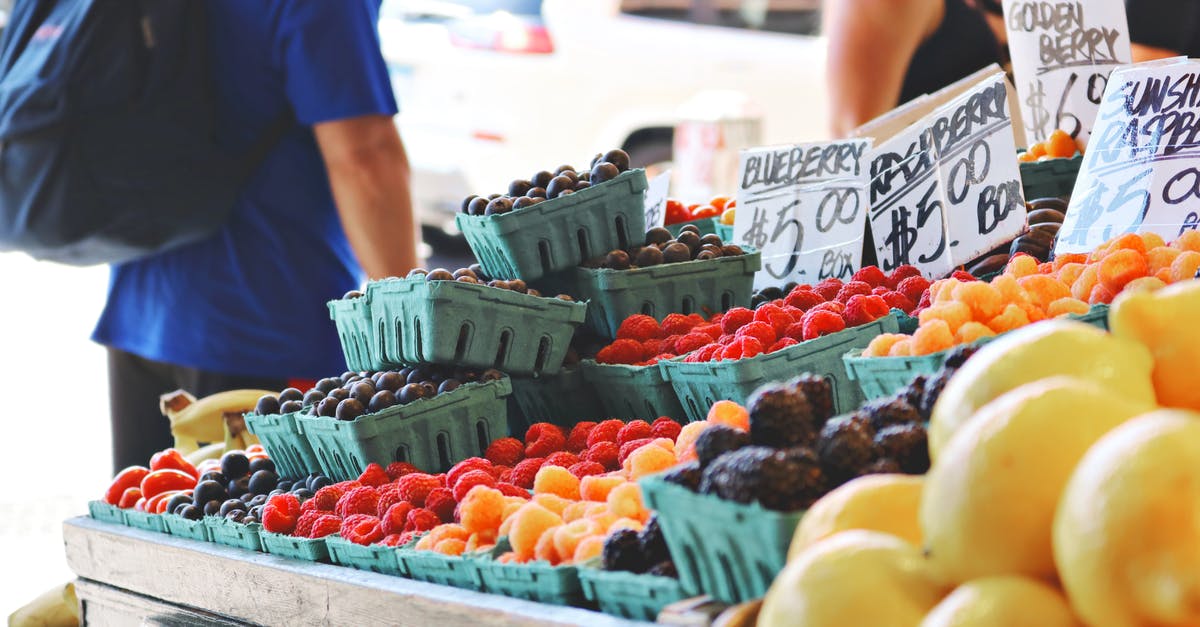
column 129, row 576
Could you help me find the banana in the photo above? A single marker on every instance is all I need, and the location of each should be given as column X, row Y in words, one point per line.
column 215, row 418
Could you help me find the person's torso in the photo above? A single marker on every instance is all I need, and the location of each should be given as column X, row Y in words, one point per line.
column 962, row 44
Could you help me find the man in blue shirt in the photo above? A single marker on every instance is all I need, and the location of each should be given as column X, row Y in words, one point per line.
column 246, row 307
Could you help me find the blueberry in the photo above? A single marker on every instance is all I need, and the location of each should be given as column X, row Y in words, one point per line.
column 328, row 407
column 536, row 193
column 345, row 376
column 604, row 171
column 290, row 407
column 259, row 499
column 619, row 158
column 381, row 401
column 215, row 475
column 523, row 202
column 541, row 179
column 267, row 405
column 558, row 185
column 519, row 187
column 362, row 392
column 491, row 374
column 417, row 375
column 191, row 512
column 466, row 203
column 676, row 253
column 238, row 487
column 477, row 206
column 229, row 506
column 350, row 409
column 290, row 394
column 178, row 501
column 312, row 397
column 235, row 464
column 209, row 490
column 327, row 384
column 449, row 385
column 212, row 508
column 498, row 206
column 303, row 494
column 410, row 393
column 236, row 515
column 263, row 481
column 319, row 482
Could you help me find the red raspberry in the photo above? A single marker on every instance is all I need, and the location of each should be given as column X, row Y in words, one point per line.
column 913, row 287
column 603, row 453
column 304, row 524
column 468, row 481
column 394, row 519
column 835, row 306
column 388, row 495
column 901, row 273
column 783, row 342
column 691, row 342
column 361, row 529
column 828, row 288
column 803, row 299
column 395, row 470
column 963, row 275
column 416, row 486
column 499, row 471
column 735, row 318
column 374, row 476
column 651, row 347
column 860, row 311
column 606, row 431
column 421, row 520
column 508, row 489
column 392, row 540
column 630, row 447
column 880, row 291
column 638, row 327
column 441, row 479
column 309, row 506
column 896, row 300
column 324, row 525
column 505, row 452
column 441, row 502
column 713, row 331
column 871, row 275
column 795, row 331
column 524, row 472
column 362, row 500
column 761, row 331
column 664, row 427
column 577, row 441
column 925, row 302
column 584, row 469
column 706, row 353
column 346, row 486
column 626, row 352
column 326, row 498
column 634, row 430
column 467, row 465
column 561, row 458
column 742, row 348
column 852, row 288
column 280, row 513
column 773, row 314
column 678, row 324
column 819, row 322
column 542, row 439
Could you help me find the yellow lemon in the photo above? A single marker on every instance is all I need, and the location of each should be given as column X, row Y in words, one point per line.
column 1161, row 321
column 886, row 503
column 1006, row 601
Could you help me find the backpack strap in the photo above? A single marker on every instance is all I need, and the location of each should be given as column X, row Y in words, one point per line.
column 266, row 143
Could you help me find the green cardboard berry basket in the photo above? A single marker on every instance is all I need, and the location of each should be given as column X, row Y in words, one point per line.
column 352, row 317
column 280, row 435
column 185, row 528
column 448, row 322
column 563, row 399
column 534, row 581
column 431, row 433
column 235, row 534
column 629, row 392
column 376, row 558
column 725, row 232
column 699, row 385
column 705, row 287
column 283, row 545
column 145, row 521
column 707, row 226
column 730, row 551
column 629, row 595
column 561, row 233
column 459, row 571
column 1052, row 178
column 101, row 510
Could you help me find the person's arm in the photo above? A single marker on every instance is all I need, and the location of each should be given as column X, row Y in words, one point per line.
column 871, row 43
column 369, row 173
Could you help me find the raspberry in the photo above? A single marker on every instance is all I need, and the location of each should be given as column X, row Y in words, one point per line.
column 309, row 506
column 773, row 314
column 803, row 299
column 280, row 513
column 508, row 489
column 818, row 323
column 630, row 447
column 851, row 288
column 835, row 306
column 761, row 331
column 963, row 275
column 326, row 498
column 651, row 347
column 389, row 495
column 467, row 465
column 416, row 486
column 499, row 471
column 795, row 331
column 677, row 324
column 304, row 524
column 925, row 302
column 361, row 529
column 542, row 439
column 913, row 287
column 620, row 352
column 634, row 430
column 901, row 273
column 441, row 502
column 374, row 476
column 880, row 291
column 783, row 342
column 713, row 331
column 896, row 300
column 561, row 458
column 863, row 309
column 871, row 275
column 524, row 472
column 706, row 353
column 828, row 288
column 691, row 342
column 407, row 538
column 505, row 452
column 362, row 500
column 605, row 432
column 392, row 540
column 639, row 327
column 395, row 470
column 396, row 516
column 603, row 453
column 665, row 428
column 468, row 481
column 577, row 441
column 324, row 525
column 735, row 318
column 421, row 519
column 584, row 469
column 743, row 348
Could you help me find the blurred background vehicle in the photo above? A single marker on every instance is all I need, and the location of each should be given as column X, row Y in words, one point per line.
column 490, row 90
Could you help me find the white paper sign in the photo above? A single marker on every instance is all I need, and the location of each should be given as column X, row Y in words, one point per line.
column 1141, row 172
column 656, row 199
column 804, row 207
column 1063, row 52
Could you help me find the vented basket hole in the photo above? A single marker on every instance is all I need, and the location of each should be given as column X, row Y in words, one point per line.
column 689, row 305
column 482, row 435
column 622, row 232
column 443, row 450
column 543, row 354
column 502, row 351
column 464, row 341
column 584, row 250
column 544, row 255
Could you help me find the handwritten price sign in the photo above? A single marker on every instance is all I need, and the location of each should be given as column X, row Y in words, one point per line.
column 1062, row 57
column 655, row 207
column 804, row 207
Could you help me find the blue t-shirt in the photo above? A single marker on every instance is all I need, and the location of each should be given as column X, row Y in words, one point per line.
column 250, row 300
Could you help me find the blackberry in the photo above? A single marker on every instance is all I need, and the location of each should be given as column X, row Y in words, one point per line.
column 780, row 417
column 686, row 475
column 719, row 439
column 653, row 544
column 623, row 551
column 890, row 411
column 913, row 392
column 845, row 446
column 665, row 568
column 783, row 480
column 908, row 445
column 881, row 466
column 933, row 389
column 958, row 356
column 820, row 397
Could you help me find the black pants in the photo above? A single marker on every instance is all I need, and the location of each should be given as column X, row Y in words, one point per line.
column 134, row 384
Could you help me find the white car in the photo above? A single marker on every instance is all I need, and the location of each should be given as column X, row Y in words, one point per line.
column 492, row 90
